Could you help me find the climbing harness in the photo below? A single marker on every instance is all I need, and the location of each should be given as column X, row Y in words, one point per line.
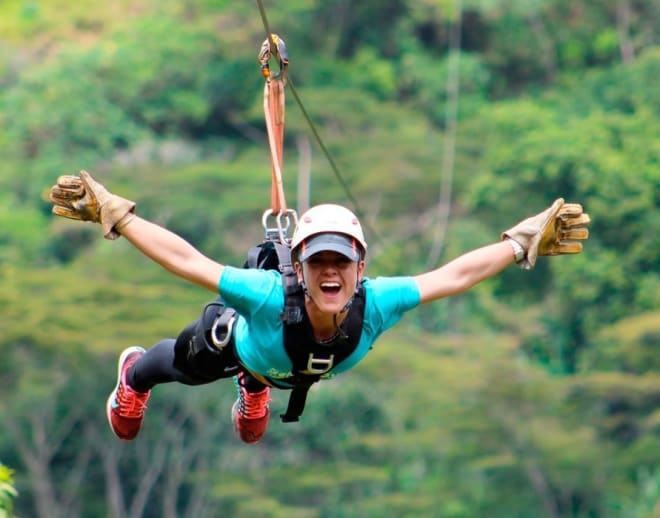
column 204, row 349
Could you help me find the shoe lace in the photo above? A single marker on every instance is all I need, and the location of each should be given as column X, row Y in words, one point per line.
column 254, row 405
column 131, row 403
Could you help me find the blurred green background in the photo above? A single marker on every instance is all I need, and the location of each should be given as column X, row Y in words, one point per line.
column 534, row 394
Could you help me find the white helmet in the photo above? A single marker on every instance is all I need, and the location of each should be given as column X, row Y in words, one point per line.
column 327, row 227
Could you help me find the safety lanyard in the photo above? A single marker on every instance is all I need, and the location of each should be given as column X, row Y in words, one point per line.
column 274, row 109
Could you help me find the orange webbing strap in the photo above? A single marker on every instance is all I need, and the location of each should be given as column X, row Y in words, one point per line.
column 274, row 112
column 274, row 106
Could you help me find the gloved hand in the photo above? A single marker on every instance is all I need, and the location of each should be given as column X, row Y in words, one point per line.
column 83, row 198
column 557, row 230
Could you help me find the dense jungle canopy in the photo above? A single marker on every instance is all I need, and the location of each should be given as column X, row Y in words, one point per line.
column 534, row 394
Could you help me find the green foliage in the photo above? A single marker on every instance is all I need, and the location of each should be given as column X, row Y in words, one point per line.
column 629, row 345
column 536, row 152
column 69, row 98
column 366, row 72
column 21, row 232
column 7, row 491
column 424, row 83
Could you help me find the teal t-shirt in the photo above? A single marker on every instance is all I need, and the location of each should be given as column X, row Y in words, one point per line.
column 258, row 298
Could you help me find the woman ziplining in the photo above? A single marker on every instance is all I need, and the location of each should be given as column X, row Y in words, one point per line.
column 328, row 256
column 313, row 316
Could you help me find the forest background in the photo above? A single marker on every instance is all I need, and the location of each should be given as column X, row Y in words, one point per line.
column 535, row 394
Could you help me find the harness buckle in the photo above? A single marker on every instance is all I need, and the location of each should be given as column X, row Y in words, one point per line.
column 317, row 366
column 291, row 315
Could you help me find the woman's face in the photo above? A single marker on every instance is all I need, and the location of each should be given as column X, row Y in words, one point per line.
column 331, row 279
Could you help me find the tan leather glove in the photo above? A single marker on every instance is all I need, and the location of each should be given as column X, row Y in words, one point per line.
column 83, row 198
column 557, row 230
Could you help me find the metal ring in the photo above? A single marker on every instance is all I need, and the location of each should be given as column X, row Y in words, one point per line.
column 220, row 344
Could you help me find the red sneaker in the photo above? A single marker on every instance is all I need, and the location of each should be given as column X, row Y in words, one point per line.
column 125, row 406
column 250, row 412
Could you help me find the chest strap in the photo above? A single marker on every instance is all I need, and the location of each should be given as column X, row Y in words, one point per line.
column 312, row 359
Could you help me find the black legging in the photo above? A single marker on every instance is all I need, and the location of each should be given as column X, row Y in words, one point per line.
column 157, row 366
column 169, row 360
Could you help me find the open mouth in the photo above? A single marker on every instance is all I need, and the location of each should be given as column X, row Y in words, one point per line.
column 330, row 288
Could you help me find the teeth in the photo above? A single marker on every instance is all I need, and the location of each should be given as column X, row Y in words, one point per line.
column 329, row 285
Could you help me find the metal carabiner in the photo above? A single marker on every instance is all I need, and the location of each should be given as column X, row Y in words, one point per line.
column 283, row 220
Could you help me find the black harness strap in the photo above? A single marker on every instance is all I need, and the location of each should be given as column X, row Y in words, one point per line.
column 296, row 405
column 312, row 359
column 261, row 256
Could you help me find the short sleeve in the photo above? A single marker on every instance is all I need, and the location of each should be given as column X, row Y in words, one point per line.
column 247, row 290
